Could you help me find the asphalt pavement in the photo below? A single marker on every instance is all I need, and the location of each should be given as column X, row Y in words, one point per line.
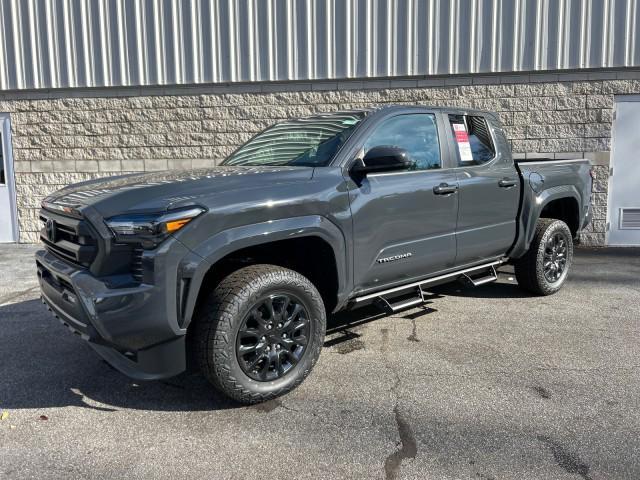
column 484, row 383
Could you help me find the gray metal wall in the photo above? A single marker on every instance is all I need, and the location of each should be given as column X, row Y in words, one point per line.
column 87, row 43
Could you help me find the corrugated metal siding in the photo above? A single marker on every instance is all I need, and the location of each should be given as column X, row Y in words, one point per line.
column 93, row 43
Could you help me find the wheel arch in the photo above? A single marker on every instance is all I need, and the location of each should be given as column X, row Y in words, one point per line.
column 563, row 208
column 310, row 245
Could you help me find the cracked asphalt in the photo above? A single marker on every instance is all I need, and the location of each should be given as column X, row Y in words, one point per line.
column 485, row 383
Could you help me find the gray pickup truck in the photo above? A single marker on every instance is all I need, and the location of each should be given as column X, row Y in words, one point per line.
column 234, row 268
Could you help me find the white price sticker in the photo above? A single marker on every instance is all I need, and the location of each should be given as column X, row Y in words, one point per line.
column 462, row 139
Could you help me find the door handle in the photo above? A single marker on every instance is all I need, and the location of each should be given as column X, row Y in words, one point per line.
column 445, row 189
column 507, row 183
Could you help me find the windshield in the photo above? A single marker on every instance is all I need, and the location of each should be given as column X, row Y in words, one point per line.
column 311, row 141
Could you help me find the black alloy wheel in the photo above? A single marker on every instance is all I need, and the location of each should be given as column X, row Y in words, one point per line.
column 273, row 337
column 545, row 267
column 555, row 256
column 259, row 332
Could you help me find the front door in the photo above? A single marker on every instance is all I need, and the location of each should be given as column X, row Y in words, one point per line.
column 489, row 190
column 624, row 199
column 403, row 228
column 8, row 227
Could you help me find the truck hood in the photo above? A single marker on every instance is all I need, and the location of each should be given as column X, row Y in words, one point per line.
column 159, row 191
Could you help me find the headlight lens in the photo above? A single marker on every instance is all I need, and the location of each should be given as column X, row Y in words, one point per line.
column 150, row 229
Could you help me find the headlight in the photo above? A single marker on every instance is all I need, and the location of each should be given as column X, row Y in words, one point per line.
column 150, row 229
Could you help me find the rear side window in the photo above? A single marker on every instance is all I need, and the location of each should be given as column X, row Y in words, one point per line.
column 416, row 133
column 472, row 138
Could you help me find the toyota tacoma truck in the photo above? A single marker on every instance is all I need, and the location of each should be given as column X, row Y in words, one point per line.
column 236, row 267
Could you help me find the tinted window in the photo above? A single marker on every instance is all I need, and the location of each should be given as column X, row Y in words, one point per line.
column 472, row 138
column 311, row 141
column 416, row 133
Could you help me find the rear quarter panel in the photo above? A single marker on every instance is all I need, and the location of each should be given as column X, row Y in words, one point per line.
column 544, row 182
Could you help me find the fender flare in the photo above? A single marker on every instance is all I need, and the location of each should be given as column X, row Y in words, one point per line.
column 196, row 265
column 533, row 207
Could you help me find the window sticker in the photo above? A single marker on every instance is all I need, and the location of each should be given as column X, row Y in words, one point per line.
column 462, row 139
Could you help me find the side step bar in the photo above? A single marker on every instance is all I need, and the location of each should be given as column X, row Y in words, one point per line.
column 406, row 301
column 417, row 286
column 491, row 276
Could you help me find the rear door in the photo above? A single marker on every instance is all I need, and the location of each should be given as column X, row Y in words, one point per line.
column 488, row 188
column 404, row 222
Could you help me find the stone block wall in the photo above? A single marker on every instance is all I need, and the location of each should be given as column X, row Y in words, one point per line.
column 63, row 137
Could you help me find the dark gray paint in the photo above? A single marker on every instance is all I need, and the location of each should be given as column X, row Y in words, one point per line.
column 398, row 213
column 486, row 223
column 382, row 216
column 555, row 180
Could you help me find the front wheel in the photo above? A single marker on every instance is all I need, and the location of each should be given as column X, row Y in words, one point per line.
column 260, row 332
column 544, row 268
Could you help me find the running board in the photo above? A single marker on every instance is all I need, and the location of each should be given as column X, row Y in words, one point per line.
column 421, row 283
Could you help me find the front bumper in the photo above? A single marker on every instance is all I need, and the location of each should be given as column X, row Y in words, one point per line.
column 130, row 327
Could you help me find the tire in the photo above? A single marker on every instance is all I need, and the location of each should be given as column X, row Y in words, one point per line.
column 231, row 332
column 530, row 269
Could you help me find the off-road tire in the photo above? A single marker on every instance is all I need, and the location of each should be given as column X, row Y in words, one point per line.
column 529, row 269
column 220, row 315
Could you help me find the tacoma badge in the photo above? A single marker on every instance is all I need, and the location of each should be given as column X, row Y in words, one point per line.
column 393, row 258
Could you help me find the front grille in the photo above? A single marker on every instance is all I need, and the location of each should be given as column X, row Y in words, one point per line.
column 70, row 239
column 136, row 263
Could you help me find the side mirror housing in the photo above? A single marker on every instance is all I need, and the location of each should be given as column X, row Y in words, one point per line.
column 383, row 158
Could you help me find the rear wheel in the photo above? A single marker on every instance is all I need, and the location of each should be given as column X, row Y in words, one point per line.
column 260, row 332
column 544, row 268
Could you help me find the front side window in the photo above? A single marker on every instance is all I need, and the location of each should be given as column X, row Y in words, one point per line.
column 312, row 141
column 417, row 133
column 472, row 138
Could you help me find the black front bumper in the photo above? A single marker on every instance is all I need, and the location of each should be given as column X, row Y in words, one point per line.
column 129, row 327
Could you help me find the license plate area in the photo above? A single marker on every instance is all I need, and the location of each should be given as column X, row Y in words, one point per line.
column 60, row 295
column 59, row 284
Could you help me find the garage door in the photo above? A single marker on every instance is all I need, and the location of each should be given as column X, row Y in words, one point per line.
column 624, row 183
column 8, row 227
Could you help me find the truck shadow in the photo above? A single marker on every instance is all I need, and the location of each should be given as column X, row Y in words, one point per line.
column 342, row 321
column 492, row 290
column 42, row 365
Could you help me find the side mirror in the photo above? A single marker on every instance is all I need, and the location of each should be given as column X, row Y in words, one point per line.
column 383, row 158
